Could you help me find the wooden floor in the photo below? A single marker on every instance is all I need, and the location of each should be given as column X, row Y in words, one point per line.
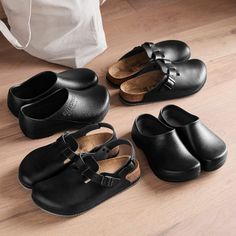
column 205, row 206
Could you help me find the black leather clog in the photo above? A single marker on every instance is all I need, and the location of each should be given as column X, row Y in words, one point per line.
column 47, row 82
column 204, row 145
column 164, row 80
column 135, row 61
column 44, row 162
column 63, row 110
column 167, row 156
column 89, row 181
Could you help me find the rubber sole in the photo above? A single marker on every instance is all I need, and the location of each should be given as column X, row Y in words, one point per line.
column 177, row 176
column 55, row 213
column 24, row 185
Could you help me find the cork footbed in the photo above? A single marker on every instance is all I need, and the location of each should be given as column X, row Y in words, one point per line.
column 121, row 70
column 89, row 142
column 135, row 89
column 112, row 165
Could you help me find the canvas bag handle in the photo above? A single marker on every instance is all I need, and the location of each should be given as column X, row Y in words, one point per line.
column 11, row 38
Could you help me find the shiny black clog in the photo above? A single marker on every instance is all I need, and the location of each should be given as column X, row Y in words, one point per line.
column 169, row 159
column 42, row 84
column 89, row 181
column 204, row 145
column 139, row 58
column 44, row 162
column 63, row 110
column 163, row 81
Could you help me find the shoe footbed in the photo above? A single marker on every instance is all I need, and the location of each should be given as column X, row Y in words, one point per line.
column 114, row 164
column 135, row 89
column 89, row 142
column 124, row 68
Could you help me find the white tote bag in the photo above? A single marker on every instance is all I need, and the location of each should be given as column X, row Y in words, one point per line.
column 67, row 32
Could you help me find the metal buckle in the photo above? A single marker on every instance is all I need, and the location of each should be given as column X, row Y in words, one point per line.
column 107, row 181
column 157, row 55
column 172, row 71
column 169, row 83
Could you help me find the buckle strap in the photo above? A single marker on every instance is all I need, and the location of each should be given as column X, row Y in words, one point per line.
column 83, row 131
column 106, row 148
column 103, row 180
column 89, row 173
column 148, row 47
column 169, row 83
column 87, row 164
column 67, row 152
column 157, row 55
column 170, row 72
column 61, row 140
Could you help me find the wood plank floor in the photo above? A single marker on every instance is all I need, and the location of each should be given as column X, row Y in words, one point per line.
column 205, row 206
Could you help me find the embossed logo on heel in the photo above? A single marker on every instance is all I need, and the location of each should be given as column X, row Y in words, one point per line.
column 68, row 110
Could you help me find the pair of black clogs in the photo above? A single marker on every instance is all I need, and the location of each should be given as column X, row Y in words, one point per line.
column 51, row 102
column 153, row 72
column 177, row 144
column 79, row 171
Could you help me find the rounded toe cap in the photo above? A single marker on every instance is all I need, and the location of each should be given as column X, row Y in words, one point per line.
column 79, row 79
column 214, row 161
column 197, row 71
column 88, row 77
column 51, row 199
column 25, row 177
column 28, row 173
column 176, row 50
column 184, row 50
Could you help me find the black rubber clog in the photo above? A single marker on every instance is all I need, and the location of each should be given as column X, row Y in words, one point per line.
column 44, row 162
column 63, row 110
column 89, row 181
column 167, row 156
column 42, row 84
column 204, row 145
column 135, row 61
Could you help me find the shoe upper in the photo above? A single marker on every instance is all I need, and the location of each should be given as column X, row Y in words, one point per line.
column 138, row 60
column 84, row 184
column 178, row 79
column 64, row 109
column 46, row 161
column 45, row 83
column 200, row 140
column 173, row 50
column 161, row 145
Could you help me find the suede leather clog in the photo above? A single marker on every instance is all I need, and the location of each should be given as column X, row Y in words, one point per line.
column 167, row 156
column 89, row 181
column 138, row 60
column 44, row 162
column 204, row 145
column 63, row 110
column 45, row 83
column 164, row 80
